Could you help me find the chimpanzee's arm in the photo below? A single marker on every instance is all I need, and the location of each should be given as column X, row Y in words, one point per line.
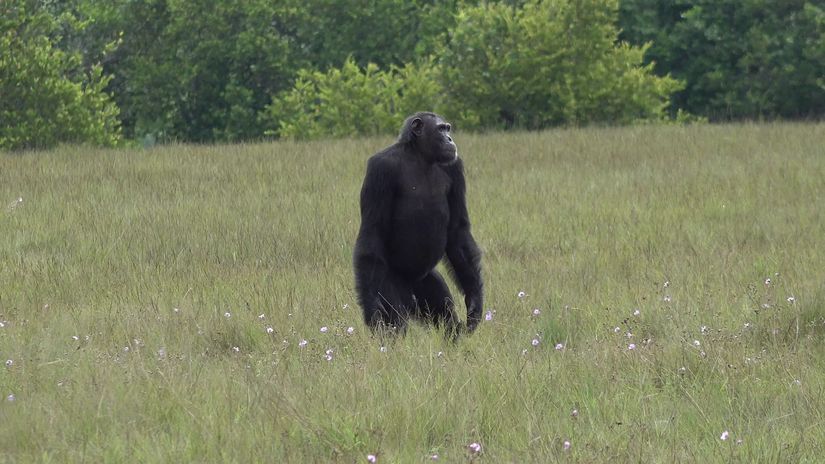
column 370, row 255
column 462, row 252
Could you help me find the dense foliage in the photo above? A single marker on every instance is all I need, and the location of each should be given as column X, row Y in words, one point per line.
column 80, row 70
column 550, row 62
column 351, row 100
column 196, row 71
column 46, row 96
column 739, row 58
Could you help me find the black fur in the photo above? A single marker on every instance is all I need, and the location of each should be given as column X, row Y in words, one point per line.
column 413, row 213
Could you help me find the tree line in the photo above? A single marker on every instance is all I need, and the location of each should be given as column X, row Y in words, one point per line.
column 86, row 71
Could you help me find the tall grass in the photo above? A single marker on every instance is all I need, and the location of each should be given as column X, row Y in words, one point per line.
column 154, row 303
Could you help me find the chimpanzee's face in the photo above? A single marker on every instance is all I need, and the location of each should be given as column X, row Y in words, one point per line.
column 438, row 141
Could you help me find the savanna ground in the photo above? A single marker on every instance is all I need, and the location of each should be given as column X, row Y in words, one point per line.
column 154, row 304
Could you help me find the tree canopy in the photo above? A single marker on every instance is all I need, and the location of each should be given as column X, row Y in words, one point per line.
column 84, row 71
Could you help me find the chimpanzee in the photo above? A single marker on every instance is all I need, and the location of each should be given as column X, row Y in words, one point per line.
column 413, row 212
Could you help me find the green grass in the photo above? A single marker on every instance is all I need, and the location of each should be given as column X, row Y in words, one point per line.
column 592, row 224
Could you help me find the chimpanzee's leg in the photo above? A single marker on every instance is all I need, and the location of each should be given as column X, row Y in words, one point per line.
column 435, row 303
column 393, row 306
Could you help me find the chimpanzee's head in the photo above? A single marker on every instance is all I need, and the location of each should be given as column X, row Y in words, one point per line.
column 429, row 134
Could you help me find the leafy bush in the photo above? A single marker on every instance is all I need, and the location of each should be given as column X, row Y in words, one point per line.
column 546, row 63
column 47, row 96
column 352, row 101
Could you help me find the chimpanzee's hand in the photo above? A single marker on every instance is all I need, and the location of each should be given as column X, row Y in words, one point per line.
column 473, row 313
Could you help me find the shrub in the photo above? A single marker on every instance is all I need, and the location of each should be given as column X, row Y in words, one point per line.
column 546, row 63
column 47, row 95
column 352, row 101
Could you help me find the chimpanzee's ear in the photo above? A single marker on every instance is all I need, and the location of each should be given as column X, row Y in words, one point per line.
column 417, row 126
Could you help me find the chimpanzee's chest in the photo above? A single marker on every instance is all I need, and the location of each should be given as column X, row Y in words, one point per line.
column 421, row 218
column 420, row 221
column 423, row 197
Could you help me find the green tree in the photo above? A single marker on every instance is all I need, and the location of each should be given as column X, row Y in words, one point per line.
column 194, row 71
column 546, row 63
column 205, row 71
column 387, row 32
column 739, row 58
column 353, row 101
column 46, row 95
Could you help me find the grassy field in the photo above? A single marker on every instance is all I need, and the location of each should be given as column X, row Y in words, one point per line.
column 168, row 305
